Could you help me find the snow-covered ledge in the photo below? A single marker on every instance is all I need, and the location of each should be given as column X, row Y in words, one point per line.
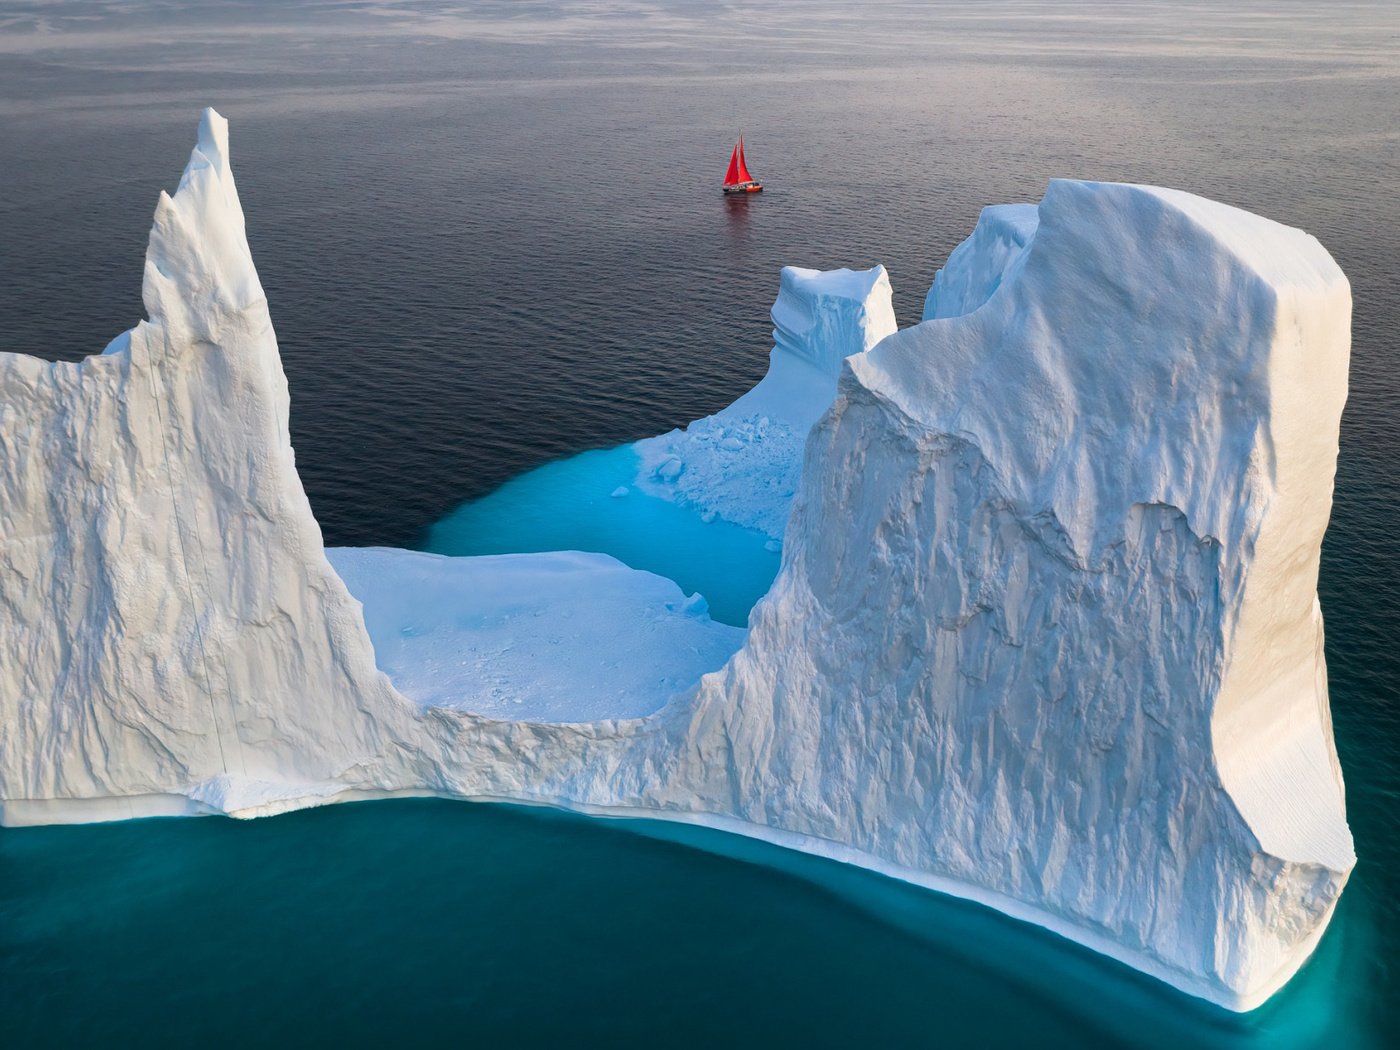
column 1045, row 635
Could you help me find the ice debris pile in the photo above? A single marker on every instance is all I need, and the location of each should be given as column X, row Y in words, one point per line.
column 1045, row 633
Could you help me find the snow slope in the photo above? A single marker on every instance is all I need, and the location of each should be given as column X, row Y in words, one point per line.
column 1045, row 633
column 976, row 268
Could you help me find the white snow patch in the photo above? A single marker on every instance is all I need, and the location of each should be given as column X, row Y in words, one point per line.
column 558, row 637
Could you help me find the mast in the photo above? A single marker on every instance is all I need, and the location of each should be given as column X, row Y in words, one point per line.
column 731, row 177
column 744, row 175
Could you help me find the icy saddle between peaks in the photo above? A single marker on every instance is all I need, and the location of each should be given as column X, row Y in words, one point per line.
column 1045, row 633
column 575, row 637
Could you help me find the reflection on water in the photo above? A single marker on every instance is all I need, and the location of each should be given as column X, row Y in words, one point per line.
column 740, row 236
column 736, row 210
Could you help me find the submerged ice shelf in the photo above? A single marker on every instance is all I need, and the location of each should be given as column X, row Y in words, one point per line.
column 592, row 502
column 1044, row 635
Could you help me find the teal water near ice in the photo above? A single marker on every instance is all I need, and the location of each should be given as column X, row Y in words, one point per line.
column 463, row 924
column 569, row 505
column 464, row 292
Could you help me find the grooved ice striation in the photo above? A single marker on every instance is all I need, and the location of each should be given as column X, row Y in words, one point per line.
column 1045, row 635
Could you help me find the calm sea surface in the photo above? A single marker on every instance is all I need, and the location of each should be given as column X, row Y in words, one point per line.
column 491, row 237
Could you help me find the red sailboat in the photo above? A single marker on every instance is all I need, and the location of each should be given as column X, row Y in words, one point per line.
column 737, row 179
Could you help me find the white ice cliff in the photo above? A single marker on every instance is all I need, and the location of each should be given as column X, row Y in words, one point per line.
column 976, row 267
column 1045, row 635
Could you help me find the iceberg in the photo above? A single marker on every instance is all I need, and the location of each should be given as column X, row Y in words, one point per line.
column 1045, row 633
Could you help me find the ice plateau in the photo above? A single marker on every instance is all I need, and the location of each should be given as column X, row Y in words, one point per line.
column 1045, row 634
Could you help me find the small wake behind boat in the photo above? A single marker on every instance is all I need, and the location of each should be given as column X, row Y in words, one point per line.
column 737, row 179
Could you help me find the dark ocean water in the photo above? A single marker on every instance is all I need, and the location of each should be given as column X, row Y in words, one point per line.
column 491, row 237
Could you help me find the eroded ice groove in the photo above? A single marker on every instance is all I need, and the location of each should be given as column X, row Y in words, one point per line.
column 1045, row 633
column 705, row 506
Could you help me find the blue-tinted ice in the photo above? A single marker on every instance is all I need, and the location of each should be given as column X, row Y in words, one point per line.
column 570, row 505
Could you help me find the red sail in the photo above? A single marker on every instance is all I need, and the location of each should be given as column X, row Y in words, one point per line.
column 744, row 175
column 731, row 177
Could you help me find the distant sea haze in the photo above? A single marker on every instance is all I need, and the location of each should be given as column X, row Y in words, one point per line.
column 492, row 236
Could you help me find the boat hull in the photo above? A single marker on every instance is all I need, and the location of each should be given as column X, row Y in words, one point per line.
column 744, row 187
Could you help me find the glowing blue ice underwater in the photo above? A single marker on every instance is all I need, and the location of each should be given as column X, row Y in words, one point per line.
column 575, row 504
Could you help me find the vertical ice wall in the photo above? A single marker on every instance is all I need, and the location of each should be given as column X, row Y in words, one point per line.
column 168, row 620
column 1047, row 624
